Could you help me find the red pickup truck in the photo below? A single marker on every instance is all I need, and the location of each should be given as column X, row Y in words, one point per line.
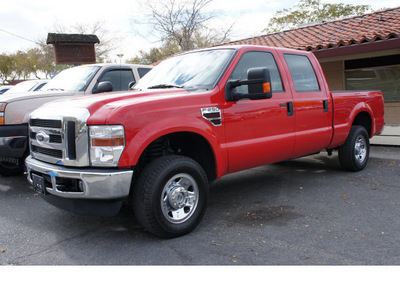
column 192, row 119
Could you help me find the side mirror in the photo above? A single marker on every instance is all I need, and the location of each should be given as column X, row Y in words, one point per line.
column 258, row 82
column 102, row 87
column 131, row 85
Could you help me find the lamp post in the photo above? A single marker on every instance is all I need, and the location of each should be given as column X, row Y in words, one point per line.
column 120, row 58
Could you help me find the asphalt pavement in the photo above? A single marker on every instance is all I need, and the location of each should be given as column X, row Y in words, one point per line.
column 303, row 212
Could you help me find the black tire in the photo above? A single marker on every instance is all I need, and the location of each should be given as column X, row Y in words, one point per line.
column 10, row 169
column 354, row 153
column 170, row 196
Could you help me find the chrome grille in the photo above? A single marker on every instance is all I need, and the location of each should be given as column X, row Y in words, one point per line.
column 46, row 151
column 54, row 138
column 45, row 123
column 61, row 139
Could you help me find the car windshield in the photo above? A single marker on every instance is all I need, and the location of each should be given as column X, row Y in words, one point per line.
column 73, row 79
column 194, row 70
column 25, row 86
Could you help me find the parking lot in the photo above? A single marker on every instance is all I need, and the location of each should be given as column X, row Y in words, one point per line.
column 306, row 211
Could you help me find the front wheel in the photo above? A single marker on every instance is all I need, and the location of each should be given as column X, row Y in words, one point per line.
column 354, row 153
column 10, row 169
column 170, row 196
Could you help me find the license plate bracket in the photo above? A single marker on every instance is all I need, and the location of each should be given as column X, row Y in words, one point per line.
column 39, row 184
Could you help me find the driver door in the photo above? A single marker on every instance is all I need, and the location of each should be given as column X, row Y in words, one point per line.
column 259, row 132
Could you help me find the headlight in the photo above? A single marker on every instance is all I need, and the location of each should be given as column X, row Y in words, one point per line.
column 106, row 145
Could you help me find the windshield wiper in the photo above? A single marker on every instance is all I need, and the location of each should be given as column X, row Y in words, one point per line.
column 55, row 89
column 165, row 86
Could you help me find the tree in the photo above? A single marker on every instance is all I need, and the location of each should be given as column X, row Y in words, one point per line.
column 181, row 26
column 40, row 61
column 155, row 54
column 6, row 63
column 308, row 11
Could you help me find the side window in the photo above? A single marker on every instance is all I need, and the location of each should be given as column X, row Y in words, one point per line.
column 120, row 79
column 40, row 86
column 302, row 72
column 256, row 59
column 143, row 71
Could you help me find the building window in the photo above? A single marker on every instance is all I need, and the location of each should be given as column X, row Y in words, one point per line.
column 385, row 79
column 375, row 73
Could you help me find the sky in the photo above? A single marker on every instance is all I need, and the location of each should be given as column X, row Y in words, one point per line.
column 24, row 22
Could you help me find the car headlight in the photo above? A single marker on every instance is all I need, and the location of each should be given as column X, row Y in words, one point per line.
column 106, row 145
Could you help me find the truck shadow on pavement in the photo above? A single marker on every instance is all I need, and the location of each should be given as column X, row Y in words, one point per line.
column 267, row 195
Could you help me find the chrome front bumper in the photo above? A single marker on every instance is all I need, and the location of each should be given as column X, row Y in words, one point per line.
column 94, row 184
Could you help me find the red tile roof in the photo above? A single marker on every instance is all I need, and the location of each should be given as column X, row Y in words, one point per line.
column 380, row 25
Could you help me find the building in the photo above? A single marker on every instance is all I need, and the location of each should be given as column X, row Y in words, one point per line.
column 356, row 53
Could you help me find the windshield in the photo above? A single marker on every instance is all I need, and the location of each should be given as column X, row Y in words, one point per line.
column 25, row 86
column 74, row 79
column 193, row 70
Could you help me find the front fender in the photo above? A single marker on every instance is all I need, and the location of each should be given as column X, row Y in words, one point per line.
column 139, row 139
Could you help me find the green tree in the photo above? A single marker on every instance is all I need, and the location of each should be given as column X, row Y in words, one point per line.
column 47, row 61
column 6, row 67
column 308, row 11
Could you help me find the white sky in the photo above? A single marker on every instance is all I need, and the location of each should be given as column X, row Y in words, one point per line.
column 24, row 21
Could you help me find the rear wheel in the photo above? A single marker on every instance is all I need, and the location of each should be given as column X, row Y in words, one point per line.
column 354, row 153
column 170, row 196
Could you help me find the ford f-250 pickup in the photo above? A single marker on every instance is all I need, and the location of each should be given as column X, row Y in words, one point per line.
column 194, row 118
column 78, row 81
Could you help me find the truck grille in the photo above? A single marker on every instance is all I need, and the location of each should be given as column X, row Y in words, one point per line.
column 46, row 151
column 61, row 140
column 45, row 123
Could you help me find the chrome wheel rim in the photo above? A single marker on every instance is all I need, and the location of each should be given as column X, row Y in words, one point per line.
column 360, row 149
column 179, row 198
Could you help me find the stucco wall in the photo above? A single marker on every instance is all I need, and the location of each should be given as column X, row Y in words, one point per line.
column 334, row 73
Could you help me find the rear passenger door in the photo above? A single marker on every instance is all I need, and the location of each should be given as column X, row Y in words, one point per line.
column 312, row 105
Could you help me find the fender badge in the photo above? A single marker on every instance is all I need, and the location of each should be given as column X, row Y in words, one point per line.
column 212, row 115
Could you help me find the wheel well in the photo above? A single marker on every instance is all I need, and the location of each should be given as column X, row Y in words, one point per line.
column 363, row 119
column 181, row 143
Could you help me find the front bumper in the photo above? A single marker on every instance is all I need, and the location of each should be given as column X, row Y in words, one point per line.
column 13, row 141
column 82, row 191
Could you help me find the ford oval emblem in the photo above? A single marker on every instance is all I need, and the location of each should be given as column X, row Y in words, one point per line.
column 42, row 137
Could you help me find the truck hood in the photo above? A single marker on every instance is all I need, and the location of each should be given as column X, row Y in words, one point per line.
column 9, row 98
column 104, row 104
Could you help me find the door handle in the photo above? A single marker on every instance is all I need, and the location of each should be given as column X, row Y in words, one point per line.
column 325, row 105
column 289, row 107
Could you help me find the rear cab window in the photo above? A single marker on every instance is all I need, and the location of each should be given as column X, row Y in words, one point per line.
column 302, row 72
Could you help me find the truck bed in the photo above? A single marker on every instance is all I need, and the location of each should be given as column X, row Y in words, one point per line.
column 348, row 104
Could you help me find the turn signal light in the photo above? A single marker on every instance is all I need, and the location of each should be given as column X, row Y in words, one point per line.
column 2, row 109
column 267, row 87
column 111, row 142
